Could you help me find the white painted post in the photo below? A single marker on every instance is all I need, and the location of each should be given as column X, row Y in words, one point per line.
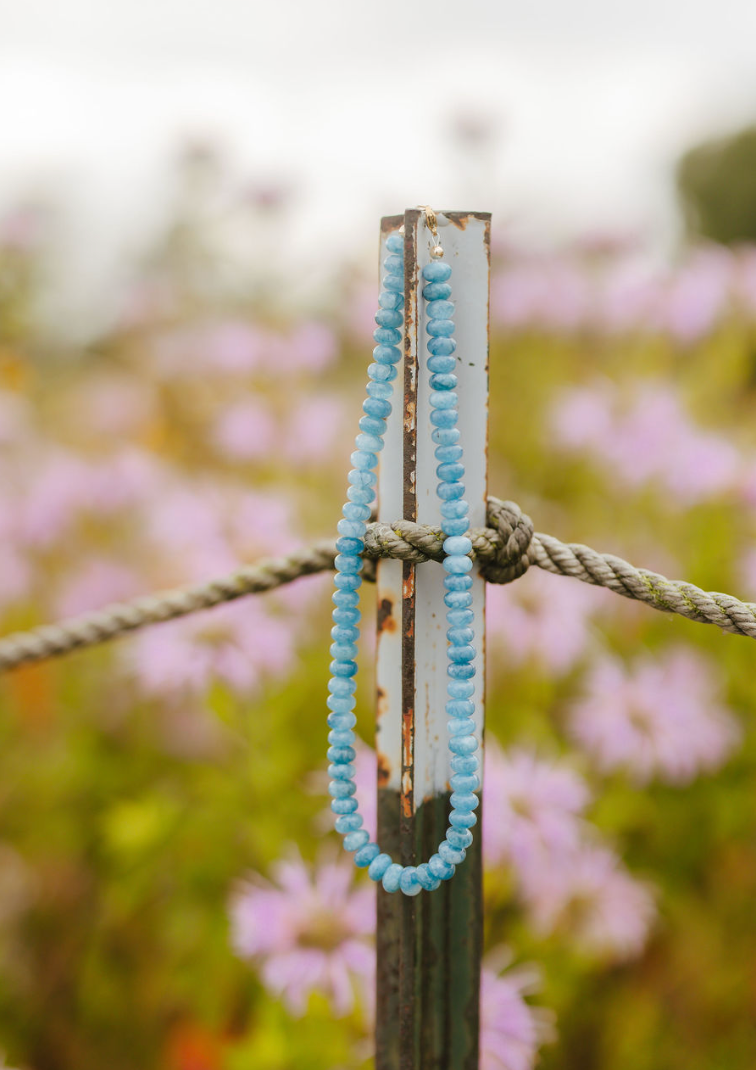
column 428, row 946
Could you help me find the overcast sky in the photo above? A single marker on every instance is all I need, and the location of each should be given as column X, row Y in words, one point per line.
column 351, row 101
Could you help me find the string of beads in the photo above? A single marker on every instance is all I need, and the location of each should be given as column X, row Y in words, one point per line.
column 457, row 582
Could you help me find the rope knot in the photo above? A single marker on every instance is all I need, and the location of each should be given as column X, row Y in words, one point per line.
column 505, row 548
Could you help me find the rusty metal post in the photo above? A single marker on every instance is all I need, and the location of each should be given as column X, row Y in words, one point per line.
column 429, row 946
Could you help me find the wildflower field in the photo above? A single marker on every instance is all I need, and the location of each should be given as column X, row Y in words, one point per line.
column 171, row 895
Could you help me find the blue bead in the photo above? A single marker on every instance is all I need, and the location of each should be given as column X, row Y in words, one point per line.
column 439, row 310
column 363, row 459
column 388, row 317
column 443, row 382
column 462, row 819
column 456, row 527
column 341, row 704
column 354, row 529
column 460, row 726
column 439, row 868
column 379, row 390
column 372, row 425
column 394, row 264
column 460, row 672
column 446, row 436
column 346, row 806
column 394, row 283
column 395, row 242
column 341, row 789
column 445, row 418
column 460, row 545
column 464, row 763
column 343, row 651
column 442, row 365
column 443, row 399
column 389, row 336
column 457, row 565
column 436, row 271
column 343, row 668
column 437, row 291
column 458, row 636
column 459, row 654
column 382, row 373
column 341, row 754
column 346, row 581
column 458, row 583
column 362, row 477
column 342, row 771
column 450, row 854
column 460, row 707
column 367, row 854
column 387, row 354
column 465, row 782
column 371, row 444
column 436, row 329
column 349, row 562
column 460, row 618
column 450, row 473
column 389, row 299
column 459, row 838
column 346, row 545
column 457, row 599
column 464, row 801
column 440, row 347
column 457, row 689
column 408, row 881
column 448, row 454
column 340, row 720
column 354, row 840
column 355, row 511
column 339, row 737
column 346, row 633
column 392, row 877
column 449, row 492
column 342, row 687
column 377, row 407
column 454, row 506
column 361, row 495
column 426, row 878
column 378, row 866
column 463, row 744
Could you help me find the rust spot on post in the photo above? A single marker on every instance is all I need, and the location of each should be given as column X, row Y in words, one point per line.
column 384, row 770
column 386, row 619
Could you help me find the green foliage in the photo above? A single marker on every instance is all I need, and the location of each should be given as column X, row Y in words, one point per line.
column 716, row 182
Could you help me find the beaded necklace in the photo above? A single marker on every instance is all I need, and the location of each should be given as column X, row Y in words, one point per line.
column 457, row 564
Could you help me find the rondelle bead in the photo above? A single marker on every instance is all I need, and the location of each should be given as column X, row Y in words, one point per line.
column 456, row 636
column 445, row 436
column 457, row 565
column 457, row 599
column 439, row 347
column 382, row 373
column 354, row 840
column 394, row 282
column 436, row 271
column 341, row 789
column 457, row 583
column 436, row 329
column 442, row 382
column 437, row 291
column 387, row 354
column 368, row 854
column 464, row 801
column 379, row 390
column 341, row 704
column 451, row 855
column 341, row 770
column 426, row 878
column 443, row 399
column 395, row 242
column 373, row 425
column 342, row 687
column 361, row 495
column 439, row 310
column 378, row 866
column 339, row 737
column 446, row 454
column 459, row 838
column 371, row 444
column 392, row 877
column 347, row 581
column 460, row 708
column 341, row 754
column 364, row 459
column 389, row 317
column 444, row 419
column 459, row 545
column 443, row 870
column 460, row 618
column 394, row 264
column 449, row 492
column 460, row 672
column 464, row 763
column 460, row 726
column 456, row 527
column 460, row 654
column 442, row 363
column 463, row 819
column 348, row 823
column 408, row 882
column 345, row 633
column 346, row 806
column 389, row 336
column 463, row 744
column 463, row 782
column 459, row 688
column 390, row 299
column 454, row 506
column 345, row 545
column 362, row 477
column 376, row 407
column 450, row 473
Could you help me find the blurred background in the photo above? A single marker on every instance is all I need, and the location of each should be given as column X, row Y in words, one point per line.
column 189, row 205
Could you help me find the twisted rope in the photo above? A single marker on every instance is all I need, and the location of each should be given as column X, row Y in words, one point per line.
column 504, row 550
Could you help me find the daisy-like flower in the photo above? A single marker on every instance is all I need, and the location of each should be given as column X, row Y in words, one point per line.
column 533, row 806
column 310, row 931
column 511, row 1030
column 591, row 898
column 661, row 717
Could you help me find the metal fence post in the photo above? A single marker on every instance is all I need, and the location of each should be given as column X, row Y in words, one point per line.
column 429, row 946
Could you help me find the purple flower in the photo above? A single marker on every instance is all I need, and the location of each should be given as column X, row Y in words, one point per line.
column 660, row 717
column 96, row 584
column 246, row 431
column 697, row 294
column 591, row 899
column 533, row 807
column 511, row 1030
column 310, row 931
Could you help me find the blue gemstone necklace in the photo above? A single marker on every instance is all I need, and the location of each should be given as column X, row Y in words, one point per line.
column 441, row 364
